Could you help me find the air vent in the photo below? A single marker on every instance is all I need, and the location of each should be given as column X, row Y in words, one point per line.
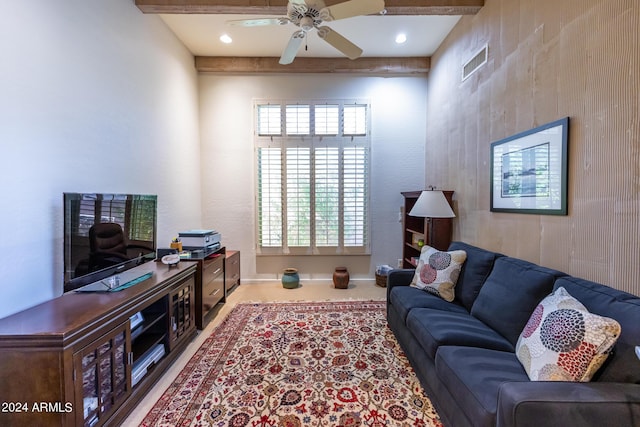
column 478, row 60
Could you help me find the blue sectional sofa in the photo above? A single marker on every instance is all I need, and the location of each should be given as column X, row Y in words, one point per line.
column 464, row 351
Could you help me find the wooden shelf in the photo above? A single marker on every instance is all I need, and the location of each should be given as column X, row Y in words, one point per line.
column 145, row 343
column 439, row 237
column 408, row 261
column 421, row 233
column 416, row 247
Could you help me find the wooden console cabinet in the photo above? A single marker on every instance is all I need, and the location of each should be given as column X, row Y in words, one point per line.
column 417, row 228
column 69, row 361
column 210, row 288
column 231, row 270
column 217, row 272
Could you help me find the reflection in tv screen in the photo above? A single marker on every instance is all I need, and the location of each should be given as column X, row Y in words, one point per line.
column 105, row 234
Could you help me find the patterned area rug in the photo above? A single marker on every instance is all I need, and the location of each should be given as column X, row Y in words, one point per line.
column 297, row 364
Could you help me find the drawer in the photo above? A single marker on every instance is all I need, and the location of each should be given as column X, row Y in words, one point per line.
column 212, row 293
column 212, row 283
column 212, row 269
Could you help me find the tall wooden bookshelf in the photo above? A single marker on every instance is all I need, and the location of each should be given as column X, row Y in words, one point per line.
column 436, row 235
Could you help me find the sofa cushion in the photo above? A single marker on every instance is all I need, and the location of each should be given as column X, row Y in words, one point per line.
column 511, row 293
column 563, row 341
column 473, row 377
column 622, row 364
column 475, row 271
column 406, row 298
column 433, row 328
column 437, row 271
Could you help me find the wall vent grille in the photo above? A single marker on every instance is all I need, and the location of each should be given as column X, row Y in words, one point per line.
column 472, row 65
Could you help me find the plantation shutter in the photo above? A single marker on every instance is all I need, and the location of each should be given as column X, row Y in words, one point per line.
column 327, row 119
column 298, row 120
column 355, row 119
column 269, row 121
column 312, row 177
column 355, row 196
column 270, row 197
column 298, row 196
column 327, row 202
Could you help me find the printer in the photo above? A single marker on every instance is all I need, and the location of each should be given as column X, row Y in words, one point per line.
column 200, row 239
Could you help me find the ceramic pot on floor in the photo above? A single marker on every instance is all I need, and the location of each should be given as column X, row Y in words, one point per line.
column 290, row 278
column 341, row 278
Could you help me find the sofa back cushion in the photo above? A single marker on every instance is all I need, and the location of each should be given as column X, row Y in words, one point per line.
column 511, row 293
column 475, row 271
column 622, row 365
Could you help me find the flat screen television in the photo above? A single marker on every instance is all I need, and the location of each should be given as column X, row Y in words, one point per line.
column 92, row 246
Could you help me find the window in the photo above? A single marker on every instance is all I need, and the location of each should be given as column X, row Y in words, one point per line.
column 269, row 122
column 312, row 177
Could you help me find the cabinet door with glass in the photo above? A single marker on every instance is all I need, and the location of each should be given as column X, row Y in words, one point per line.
column 102, row 376
column 181, row 311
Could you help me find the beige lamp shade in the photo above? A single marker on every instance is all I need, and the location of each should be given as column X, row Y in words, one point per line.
column 432, row 204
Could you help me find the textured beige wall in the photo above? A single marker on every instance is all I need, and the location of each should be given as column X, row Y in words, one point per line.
column 548, row 59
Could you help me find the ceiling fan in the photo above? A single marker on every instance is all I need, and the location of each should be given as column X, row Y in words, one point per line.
column 310, row 14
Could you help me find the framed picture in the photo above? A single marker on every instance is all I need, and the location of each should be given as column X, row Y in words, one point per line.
column 529, row 171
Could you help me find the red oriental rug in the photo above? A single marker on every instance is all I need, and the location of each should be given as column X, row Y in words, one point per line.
column 297, row 364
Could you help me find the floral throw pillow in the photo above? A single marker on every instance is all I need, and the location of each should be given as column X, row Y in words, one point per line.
column 438, row 271
column 563, row 341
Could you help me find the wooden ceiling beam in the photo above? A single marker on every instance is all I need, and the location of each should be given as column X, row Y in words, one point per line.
column 279, row 7
column 365, row 65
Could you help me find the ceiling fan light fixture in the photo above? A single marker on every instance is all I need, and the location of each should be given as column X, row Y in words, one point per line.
column 226, row 38
column 306, row 23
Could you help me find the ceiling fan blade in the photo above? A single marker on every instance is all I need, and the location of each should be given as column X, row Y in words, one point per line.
column 351, row 8
column 289, row 53
column 336, row 40
column 258, row 22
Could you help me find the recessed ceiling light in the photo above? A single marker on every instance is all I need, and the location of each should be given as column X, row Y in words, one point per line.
column 401, row 38
column 225, row 38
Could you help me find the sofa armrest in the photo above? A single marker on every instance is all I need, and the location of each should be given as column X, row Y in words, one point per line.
column 399, row 277
column 541, row 403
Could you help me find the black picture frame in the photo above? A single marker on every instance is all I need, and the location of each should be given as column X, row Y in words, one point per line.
column 529, row 171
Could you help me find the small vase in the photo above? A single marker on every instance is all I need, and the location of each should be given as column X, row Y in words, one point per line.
column 290, row 278
column 341, row 278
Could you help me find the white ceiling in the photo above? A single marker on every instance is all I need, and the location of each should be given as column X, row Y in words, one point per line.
column 373, row 34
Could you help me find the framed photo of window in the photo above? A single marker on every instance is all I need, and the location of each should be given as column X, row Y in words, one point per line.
column 529, row 171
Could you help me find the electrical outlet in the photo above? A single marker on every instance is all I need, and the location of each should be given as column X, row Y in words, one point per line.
column 399, row 262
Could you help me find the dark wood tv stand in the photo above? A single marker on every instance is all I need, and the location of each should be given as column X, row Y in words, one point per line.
column 69, row 361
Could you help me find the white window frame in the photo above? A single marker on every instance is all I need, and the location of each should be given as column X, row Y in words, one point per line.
column 327, row 140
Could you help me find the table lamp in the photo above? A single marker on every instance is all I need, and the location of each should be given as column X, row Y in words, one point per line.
column 433, row 204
